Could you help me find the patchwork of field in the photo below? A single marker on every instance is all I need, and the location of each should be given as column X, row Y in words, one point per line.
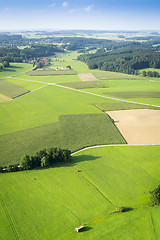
column 11, row 90
column 71, row 131
column 86, row 191
column 140, row 126
column 67, row 112
column 29, row 85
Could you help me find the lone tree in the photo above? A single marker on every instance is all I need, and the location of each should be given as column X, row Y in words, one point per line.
column 155, row 196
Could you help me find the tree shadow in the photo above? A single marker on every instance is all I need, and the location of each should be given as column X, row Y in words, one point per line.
column 83, row 158
column 15, row 66
column 86, row 228
column 128, row 209
column 72, row 163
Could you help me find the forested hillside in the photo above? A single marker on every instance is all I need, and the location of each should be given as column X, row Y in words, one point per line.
column 126, row 60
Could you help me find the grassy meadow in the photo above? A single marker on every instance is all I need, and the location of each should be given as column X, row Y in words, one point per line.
column 15, row 68
column 86, row 191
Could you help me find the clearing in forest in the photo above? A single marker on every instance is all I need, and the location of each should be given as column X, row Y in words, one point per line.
column 141, row 126
column 87, row 77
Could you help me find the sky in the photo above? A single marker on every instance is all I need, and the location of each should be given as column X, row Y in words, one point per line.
column 80, row 14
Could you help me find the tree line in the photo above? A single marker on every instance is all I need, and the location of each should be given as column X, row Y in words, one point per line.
column 151, row 74
column 14, row 54
column 42, row 158
column 127, row 60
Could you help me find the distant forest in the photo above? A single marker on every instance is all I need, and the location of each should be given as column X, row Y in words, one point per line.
column 119, row 56
column 125, row 60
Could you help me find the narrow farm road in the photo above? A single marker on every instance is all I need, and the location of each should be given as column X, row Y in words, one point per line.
column 94, row 94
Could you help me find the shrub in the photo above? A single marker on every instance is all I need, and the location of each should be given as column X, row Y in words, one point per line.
column 155, row 196
column 120, row 209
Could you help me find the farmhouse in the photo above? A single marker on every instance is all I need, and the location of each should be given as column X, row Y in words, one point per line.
column 79, row 229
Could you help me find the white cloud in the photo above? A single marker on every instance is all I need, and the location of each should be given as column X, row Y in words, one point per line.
column 52, row 5
column 89, row 8
column 65, row 4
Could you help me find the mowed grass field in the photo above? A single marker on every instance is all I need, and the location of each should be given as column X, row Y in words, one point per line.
column 56, row 200
column 45, row 106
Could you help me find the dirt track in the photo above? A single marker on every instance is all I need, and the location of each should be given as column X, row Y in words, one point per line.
column 140, row 126
column 87, row 77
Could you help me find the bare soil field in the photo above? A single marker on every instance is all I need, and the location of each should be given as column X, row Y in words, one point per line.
column 87, row 77
column 140, row 126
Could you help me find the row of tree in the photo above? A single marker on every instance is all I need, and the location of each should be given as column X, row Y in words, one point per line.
column 126, row 60
column 42, row 158
column 151, row 74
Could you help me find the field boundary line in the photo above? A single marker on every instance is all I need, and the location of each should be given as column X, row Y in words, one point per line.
column 94, row 94
column 113, row 145
column 9, row 217
column 28, row 80
column 92, row 184
column 102, row 96
column 154, row 230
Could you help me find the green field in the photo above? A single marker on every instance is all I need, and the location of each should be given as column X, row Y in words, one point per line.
column 134, row 94
column 106, row 75
column 45, row 106
column 15, row 68
column 51, row 79
column 72, row 132
column 50, row 203
column 113, row 106
column 87, row 84
column 29, row 85
column 56, row 200
column 44, row 72
column 10, row 89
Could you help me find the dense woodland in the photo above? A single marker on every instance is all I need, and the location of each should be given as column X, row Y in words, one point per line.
column 14, row 54
column 126, row 60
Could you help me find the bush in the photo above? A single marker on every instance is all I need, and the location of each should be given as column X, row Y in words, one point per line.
column 120, row 209
column 155, row 196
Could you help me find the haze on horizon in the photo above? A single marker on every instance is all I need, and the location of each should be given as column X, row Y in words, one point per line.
column 73, row 14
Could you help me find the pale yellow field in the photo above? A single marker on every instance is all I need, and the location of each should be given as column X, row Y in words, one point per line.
column 3, row 98
column 87, row 77
column 140, row 126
